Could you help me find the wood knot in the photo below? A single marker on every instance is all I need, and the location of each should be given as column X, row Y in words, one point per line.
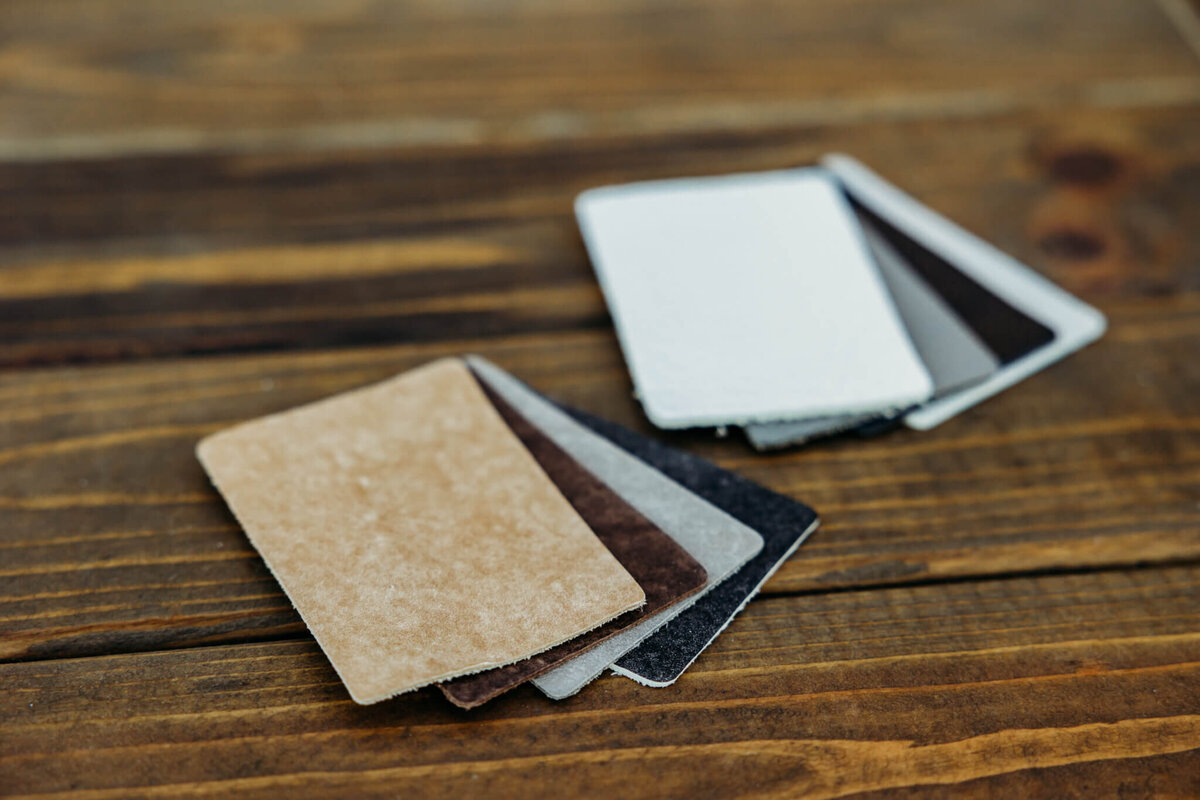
column 1072, row 244
column 1089, row 167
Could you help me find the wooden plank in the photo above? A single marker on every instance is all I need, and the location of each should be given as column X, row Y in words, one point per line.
column 196, row 254
column 395, row 180
column 118, row 76
column 113, row 540
column 1076, row 685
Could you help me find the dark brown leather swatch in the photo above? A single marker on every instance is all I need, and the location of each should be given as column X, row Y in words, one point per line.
column 664, row 570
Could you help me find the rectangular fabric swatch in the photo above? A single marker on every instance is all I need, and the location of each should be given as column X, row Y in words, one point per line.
column 715, row 539
column 663, row 569
column 776, row 435
column 784, row 524
column 1027, row 321
column 747, row 298
column 949, row 347
column 414, row 533
column 1005, row 330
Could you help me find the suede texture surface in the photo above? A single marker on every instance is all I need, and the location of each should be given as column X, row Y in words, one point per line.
column 783, row 523
column 414, row 533
column 661, row 567
column 715, row 539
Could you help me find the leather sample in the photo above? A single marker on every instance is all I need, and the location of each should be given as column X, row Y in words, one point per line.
column 747, row 298
column 1027, row 321
column 783, row 522
column 416, row 536
column 661, row 567
column 1007, row 331
column 715, row 539
column 775, row 435
column 948, row 346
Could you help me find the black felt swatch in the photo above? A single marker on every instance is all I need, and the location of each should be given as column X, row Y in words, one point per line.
column 783, row 523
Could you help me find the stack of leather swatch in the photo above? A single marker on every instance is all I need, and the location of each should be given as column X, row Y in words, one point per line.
column 806, row 302
column 451, row 526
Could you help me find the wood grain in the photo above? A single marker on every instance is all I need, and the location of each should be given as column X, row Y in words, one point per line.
column 1011, row 686
column 89, row 78
column 198, row 254
column 245, row 207
column 114, row 540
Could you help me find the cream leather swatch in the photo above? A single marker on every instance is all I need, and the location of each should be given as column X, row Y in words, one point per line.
column 718, row 541
column 415, row 535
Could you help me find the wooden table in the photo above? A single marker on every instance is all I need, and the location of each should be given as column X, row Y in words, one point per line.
column 212, row 211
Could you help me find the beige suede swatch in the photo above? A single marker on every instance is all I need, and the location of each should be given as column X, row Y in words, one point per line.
column 413, row 532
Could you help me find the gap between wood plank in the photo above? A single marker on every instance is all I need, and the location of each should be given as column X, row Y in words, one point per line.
column 703, row 118
column 860, row 589
column 978, row 577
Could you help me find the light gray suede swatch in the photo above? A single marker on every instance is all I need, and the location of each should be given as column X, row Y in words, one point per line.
column 718, row 541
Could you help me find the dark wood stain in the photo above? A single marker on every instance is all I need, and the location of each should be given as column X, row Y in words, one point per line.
column 1072, row 245
column 1089, row 167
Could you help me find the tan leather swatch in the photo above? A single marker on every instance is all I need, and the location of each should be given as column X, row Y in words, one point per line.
column 665, row 571
column 416, row 536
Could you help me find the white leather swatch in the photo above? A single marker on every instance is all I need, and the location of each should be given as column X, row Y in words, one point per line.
column 748, row 298
column 718, row 541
